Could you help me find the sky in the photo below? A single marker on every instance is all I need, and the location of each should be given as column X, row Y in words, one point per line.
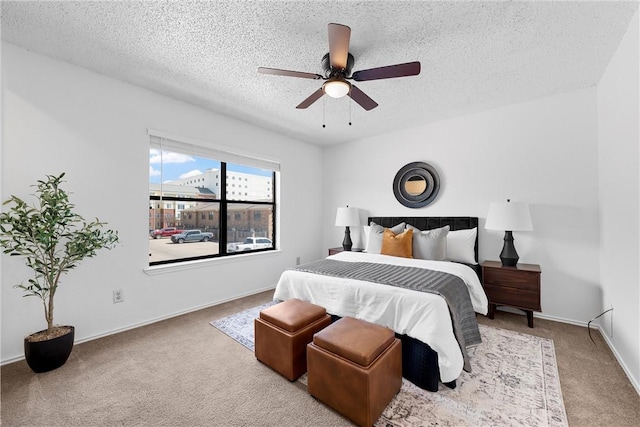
column 178, row 165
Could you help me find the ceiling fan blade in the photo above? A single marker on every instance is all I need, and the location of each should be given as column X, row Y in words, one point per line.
column 311, row 99
column 339, row 36
column 288, row 73
column 388, row 72
column 361, row 98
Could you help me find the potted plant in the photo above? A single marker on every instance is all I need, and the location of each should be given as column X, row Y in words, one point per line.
column 52, row 239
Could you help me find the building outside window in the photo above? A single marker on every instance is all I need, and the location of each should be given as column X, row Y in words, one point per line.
column 185, row 178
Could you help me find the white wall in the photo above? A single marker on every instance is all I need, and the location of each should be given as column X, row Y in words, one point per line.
column 574, row 157
column 58, row 117
column 619, row 180
column 558, row 153
column 542, row 152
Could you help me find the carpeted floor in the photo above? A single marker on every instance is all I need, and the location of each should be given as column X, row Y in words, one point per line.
column 183, row 372
column 513, row 381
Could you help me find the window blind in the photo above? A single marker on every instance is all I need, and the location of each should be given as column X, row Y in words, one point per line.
column 166, row 141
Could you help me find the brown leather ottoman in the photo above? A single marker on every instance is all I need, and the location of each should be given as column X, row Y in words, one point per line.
column 355, row 367
column 282, row 333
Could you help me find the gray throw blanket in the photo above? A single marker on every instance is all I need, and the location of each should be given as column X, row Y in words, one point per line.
column 452, row 288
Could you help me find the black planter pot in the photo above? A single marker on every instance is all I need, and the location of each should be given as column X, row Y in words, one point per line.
column 44, row 356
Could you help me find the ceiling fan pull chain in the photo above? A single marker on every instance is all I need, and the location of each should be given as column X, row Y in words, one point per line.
column 324, row 108
column 337, row 65
column 350, row 102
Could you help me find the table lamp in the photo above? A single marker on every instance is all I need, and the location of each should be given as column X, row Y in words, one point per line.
column 509, row 216
column 347, row 217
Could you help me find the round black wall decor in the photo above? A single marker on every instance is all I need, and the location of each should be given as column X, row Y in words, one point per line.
column 416, row 184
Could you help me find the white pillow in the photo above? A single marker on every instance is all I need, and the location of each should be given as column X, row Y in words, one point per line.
column 374, row 245
column 430, row 244
column 365, row 235
column 461, row 244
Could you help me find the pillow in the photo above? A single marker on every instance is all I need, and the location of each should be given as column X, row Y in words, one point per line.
column 461, row 244
column 365, row 236
column 375, row 236
column 397, row 244
column 430, row 244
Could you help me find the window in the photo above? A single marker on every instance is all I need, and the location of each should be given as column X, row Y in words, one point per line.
column 186, row 191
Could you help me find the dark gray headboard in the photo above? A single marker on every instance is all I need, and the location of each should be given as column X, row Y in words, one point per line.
column 431, row 222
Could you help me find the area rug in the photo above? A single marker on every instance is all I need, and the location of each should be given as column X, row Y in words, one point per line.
column 513, row 382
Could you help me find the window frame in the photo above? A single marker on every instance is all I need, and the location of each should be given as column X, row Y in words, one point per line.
column 206, row 150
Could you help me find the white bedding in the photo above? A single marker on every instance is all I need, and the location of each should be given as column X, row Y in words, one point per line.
column 420, row 315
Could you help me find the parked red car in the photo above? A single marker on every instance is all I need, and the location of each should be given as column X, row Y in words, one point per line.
column 165, row 232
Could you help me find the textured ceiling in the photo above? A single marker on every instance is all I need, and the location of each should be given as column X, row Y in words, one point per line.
column 474, row 55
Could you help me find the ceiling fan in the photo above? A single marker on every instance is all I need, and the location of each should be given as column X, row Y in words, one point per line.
column 337, row 65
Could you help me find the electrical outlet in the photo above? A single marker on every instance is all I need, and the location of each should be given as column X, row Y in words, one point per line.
column 297, row 260
column 611, row 321
column 606, row 323
column 118, row 296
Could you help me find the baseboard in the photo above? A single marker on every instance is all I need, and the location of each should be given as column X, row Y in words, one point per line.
column 594, row 326
column 560, row 319
column 149, row 322
column 542, row 316
column 625, row 368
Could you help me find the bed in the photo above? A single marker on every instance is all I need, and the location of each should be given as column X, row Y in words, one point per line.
column 434, row 348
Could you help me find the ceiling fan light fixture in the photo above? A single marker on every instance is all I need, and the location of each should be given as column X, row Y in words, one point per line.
column 337, row 65
column 336, row 88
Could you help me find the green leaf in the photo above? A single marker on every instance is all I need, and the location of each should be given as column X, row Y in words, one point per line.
column 50, row 236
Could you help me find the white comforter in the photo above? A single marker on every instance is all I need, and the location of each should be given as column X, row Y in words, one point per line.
column 420, row 315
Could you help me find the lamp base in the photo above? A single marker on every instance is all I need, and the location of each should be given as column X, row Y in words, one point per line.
column 509, row 256
column 346, row 243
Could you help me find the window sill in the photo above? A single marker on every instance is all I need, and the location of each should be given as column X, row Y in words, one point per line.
column 190, row 265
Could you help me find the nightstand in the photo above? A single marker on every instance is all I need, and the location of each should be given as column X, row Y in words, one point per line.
column 333, row 251
column 517, row 287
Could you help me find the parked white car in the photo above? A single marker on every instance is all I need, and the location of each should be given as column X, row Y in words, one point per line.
column 250, row 243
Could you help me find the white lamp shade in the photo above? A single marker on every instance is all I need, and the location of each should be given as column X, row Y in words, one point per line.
column 509, row 216
column 347, row 217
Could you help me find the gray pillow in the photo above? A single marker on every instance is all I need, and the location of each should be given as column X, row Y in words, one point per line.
column 430, row 244
column 374, row 245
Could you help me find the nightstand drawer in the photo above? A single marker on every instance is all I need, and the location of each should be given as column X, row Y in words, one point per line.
column 517, row 287
column 527, row 281
column 515, row 297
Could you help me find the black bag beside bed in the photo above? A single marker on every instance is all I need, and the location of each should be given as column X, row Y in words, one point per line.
column 419, row 361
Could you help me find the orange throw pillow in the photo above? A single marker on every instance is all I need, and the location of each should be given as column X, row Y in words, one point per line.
column 397, row 244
